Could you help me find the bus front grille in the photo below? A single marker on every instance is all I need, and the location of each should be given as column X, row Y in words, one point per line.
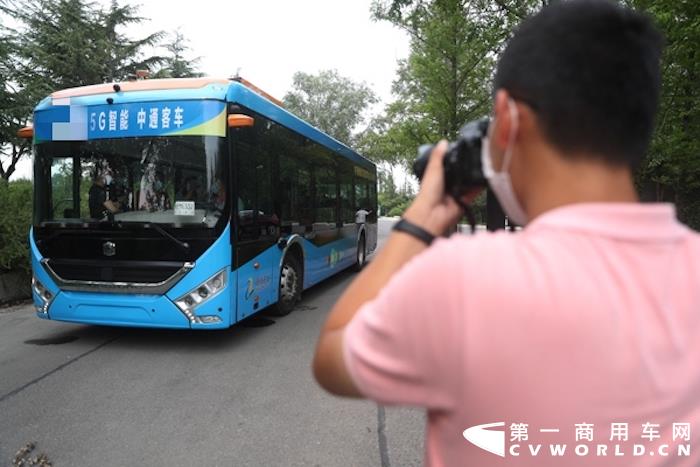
column 116, row 276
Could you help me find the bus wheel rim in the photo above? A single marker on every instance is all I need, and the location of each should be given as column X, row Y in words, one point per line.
column 288, row 282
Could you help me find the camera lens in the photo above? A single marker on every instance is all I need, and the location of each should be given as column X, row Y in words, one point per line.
column 421, row 161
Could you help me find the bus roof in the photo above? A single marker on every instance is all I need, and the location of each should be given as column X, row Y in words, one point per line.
column 231, row 90
column 138, row 85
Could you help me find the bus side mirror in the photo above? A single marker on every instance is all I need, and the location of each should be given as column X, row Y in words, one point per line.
column 240, row 121
column 27, row 132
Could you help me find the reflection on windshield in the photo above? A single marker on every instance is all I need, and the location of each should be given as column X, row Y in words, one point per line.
column 169, row 180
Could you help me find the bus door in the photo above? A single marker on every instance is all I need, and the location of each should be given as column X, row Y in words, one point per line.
column 258, row 229
column 256, row 287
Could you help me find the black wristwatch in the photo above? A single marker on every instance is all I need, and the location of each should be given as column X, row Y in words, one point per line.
column 412, row 229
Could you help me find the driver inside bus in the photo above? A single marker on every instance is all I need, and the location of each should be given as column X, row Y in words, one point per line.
column 100, row 205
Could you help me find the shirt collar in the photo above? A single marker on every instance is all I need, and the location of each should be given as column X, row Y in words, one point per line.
column 628, row 221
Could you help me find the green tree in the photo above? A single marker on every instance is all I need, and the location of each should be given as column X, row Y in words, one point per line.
column 69, row 43
column 446, row 79
column 333, row 103
column 56, row 45
column 175, row 64
column 15, row 102
column 672, row 168
column 392, row 201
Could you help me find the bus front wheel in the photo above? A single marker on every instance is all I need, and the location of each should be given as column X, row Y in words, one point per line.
column 290, row 287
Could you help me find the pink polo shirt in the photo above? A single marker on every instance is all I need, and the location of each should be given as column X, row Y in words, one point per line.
column 577, row 340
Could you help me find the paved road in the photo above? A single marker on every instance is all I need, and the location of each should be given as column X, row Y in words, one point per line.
column 97, row 396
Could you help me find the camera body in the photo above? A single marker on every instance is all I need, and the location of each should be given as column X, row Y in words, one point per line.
column 462, row 162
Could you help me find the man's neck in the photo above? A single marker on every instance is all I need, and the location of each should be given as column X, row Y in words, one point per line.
column 579, row 180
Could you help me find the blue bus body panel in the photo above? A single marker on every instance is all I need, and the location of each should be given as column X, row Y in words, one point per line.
column 146, row 310
column 321, row 262
column 38, row 270
column 217, row 257
column 117, row 310
column 258, row 287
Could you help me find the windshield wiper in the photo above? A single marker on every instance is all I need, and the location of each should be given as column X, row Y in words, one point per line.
column 184, row 245
column 57, row 233
column 53, row 236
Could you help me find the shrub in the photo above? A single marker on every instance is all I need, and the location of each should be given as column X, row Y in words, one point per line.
column 688, row 207
column 15, row 220
column 394, row 204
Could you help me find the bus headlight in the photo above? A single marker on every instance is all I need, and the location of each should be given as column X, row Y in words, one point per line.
column 44, row 294
column 201, row 294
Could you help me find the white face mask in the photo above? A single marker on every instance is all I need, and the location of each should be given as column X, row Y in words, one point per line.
column 500, row 182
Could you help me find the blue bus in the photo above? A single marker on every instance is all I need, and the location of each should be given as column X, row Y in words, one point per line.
column 188, row 203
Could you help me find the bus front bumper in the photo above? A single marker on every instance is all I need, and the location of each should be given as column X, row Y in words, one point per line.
column 144, row 311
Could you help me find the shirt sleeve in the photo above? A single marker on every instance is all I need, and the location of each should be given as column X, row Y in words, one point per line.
column 401, row 348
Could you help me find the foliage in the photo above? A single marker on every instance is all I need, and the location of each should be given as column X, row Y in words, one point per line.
column 15, row 102
column 175, row 64
column 61, row 44
column 672, row 169
column 69, row 43
column 331, row 102
column 392, row 201
column 446, row 79
column 14, row 224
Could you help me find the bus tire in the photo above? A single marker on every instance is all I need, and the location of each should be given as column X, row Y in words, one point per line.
column 361, row 253
column 289, row 288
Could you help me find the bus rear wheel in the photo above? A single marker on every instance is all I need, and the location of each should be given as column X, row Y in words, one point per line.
column 361, row 254
column 289, row 288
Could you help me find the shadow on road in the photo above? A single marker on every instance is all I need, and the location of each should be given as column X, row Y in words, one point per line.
column 327, row 285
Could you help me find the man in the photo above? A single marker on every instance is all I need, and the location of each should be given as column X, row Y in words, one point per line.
column 361, row 215
column 100, row 206
column 581, row 329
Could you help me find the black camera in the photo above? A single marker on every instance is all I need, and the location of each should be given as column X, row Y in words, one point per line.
column 462, row 162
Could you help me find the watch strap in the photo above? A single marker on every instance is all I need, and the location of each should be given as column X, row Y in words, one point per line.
column 415, row 231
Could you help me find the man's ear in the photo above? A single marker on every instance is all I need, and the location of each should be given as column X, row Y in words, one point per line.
column 500, row 134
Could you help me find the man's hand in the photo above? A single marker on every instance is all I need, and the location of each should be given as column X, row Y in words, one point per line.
column 112, row 206
column 433, row 209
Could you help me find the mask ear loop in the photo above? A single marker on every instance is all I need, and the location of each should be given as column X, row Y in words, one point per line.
column 513, row 109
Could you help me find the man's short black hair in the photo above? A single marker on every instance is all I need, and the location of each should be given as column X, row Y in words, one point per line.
column 590, row 71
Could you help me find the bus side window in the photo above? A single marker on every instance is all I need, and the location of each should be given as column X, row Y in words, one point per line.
column 326, row 195
column 372, row 191
column 347, row 211
column 254, row 204
column 294, row 193
column 361, row 194
column 305, row 198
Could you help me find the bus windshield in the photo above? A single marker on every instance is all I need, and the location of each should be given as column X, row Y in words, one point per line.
column 171, row 180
